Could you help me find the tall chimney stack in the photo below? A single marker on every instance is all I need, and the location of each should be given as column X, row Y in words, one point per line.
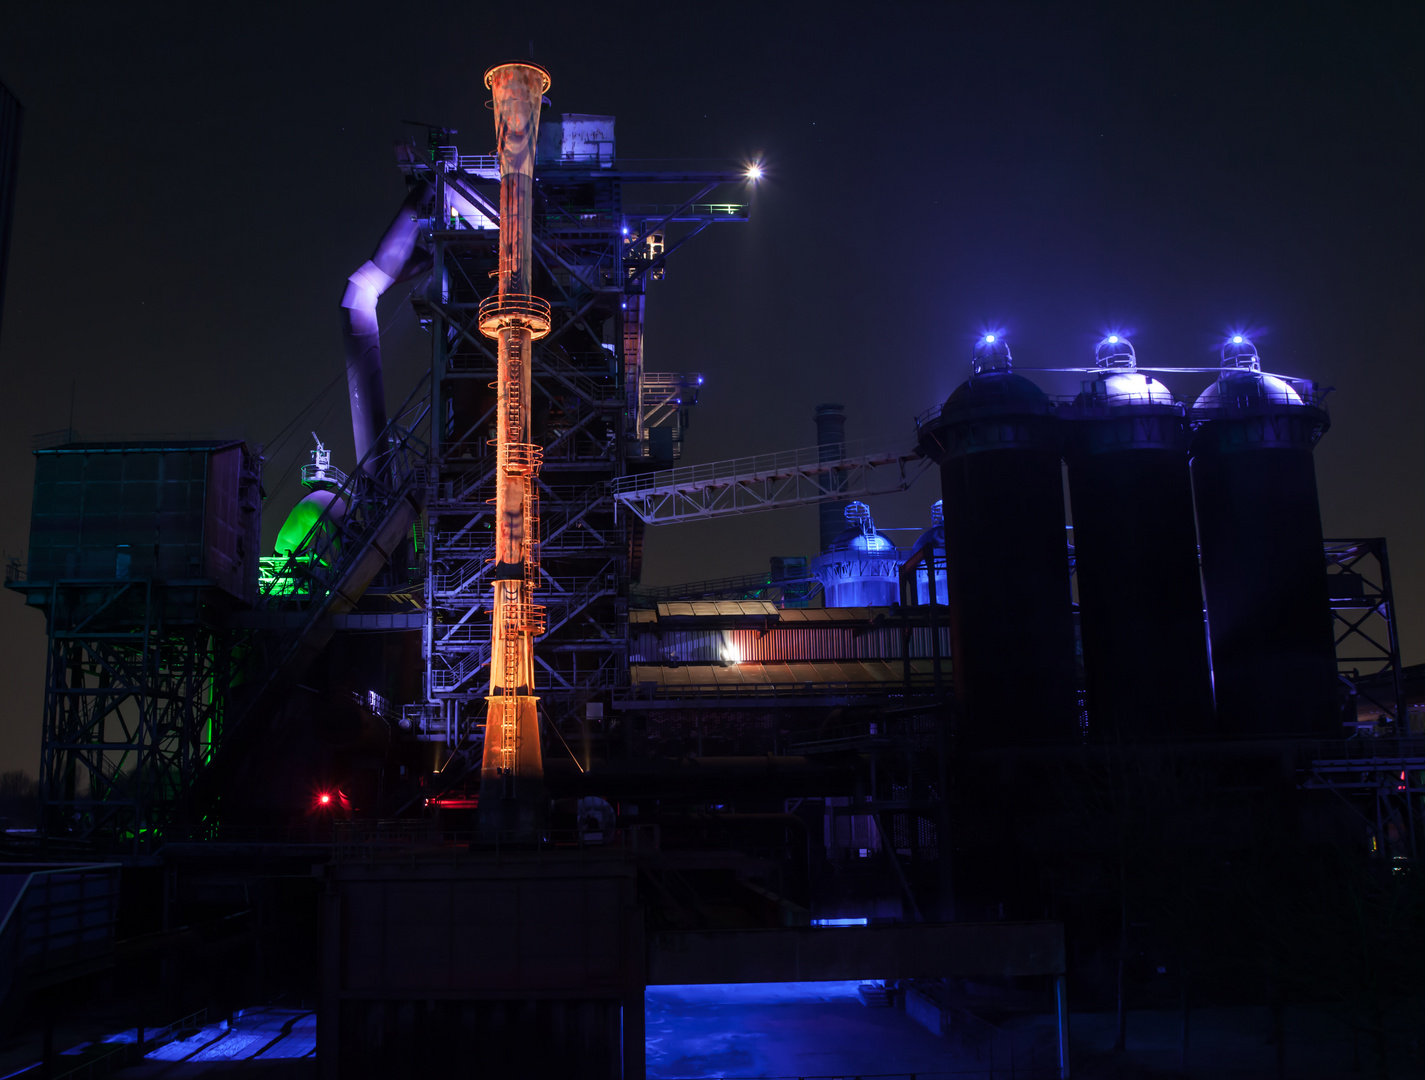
column 512, row 795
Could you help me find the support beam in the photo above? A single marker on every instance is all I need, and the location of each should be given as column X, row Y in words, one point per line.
column 765, row 482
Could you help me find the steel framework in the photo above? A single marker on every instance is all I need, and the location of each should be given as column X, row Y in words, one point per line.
column 595, row 413
column 1363, row 616
column 765, row 482
column 138, row 681
column 790, row 591
column 1382, row 781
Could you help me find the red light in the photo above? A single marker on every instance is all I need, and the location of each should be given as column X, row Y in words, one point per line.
column 324, row 798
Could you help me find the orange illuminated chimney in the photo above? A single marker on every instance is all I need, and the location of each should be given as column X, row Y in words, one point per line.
column 512, row 795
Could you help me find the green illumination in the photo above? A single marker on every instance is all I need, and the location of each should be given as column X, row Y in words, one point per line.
column 307, row 544
column 300, row 530
column 283, row 576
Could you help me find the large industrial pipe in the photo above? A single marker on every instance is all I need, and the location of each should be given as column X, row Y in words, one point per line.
column 512, row 793
column 397, row 258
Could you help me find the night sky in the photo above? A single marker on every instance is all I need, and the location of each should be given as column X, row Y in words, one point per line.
column 195, row 188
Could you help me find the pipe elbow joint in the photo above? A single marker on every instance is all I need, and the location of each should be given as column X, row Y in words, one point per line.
column 365, row 287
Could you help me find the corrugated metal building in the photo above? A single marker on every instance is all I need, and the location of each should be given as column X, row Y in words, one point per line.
column 172, row 511
column 733, row 643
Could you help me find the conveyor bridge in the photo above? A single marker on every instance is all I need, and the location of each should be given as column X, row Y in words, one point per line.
column 766, row 482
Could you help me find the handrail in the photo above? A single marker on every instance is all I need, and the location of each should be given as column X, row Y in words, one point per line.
column 1307, row 394
column 154, row 1039
column 76, row 927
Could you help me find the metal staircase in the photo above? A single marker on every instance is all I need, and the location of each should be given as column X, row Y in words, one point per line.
column 552, row 616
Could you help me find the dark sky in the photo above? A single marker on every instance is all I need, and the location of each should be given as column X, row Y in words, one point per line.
column 198, row 181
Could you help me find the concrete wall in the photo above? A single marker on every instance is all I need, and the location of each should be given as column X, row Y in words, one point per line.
column 924, row 1012
column 482, row 966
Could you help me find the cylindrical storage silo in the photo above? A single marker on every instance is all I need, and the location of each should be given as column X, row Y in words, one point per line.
column 1140, row 596
column 1011, row 629
column 831, row 446
column 860, row 568
column 1263, row 569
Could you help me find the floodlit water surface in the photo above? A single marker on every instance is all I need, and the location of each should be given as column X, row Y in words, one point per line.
column 782, row 1029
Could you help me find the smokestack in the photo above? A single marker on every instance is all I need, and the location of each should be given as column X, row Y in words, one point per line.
column 397, row 258
column 512, row 798
column 831, row 443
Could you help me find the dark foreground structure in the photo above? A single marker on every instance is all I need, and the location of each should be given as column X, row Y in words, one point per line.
column 441, row 787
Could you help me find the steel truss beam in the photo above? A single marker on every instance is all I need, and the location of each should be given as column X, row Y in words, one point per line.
column 1383, row 783
column 1363, row 615
column 766, row 482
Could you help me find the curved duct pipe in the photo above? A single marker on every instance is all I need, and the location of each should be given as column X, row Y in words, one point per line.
column 397, row 258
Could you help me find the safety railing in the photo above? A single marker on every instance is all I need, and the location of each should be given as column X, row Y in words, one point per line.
column 558, row 610
column 691, row 212
column 919, row 684
column 313, row 474
column 743, row 587
column 57, row 917
column 522, row 617
column 514, row 309
column 1240, row 393
column 556, row 521
column 125, row 1053
column 1086, row 406
column 398, row 455
column 521, row 459
column 486, row 165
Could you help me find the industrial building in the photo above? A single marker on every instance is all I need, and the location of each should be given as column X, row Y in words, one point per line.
column 441, row 769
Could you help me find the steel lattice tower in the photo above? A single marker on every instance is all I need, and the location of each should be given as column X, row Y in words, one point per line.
column 588, row 412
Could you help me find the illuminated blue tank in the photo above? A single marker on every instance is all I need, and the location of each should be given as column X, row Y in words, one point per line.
column 934, row 539
column 860, row 568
